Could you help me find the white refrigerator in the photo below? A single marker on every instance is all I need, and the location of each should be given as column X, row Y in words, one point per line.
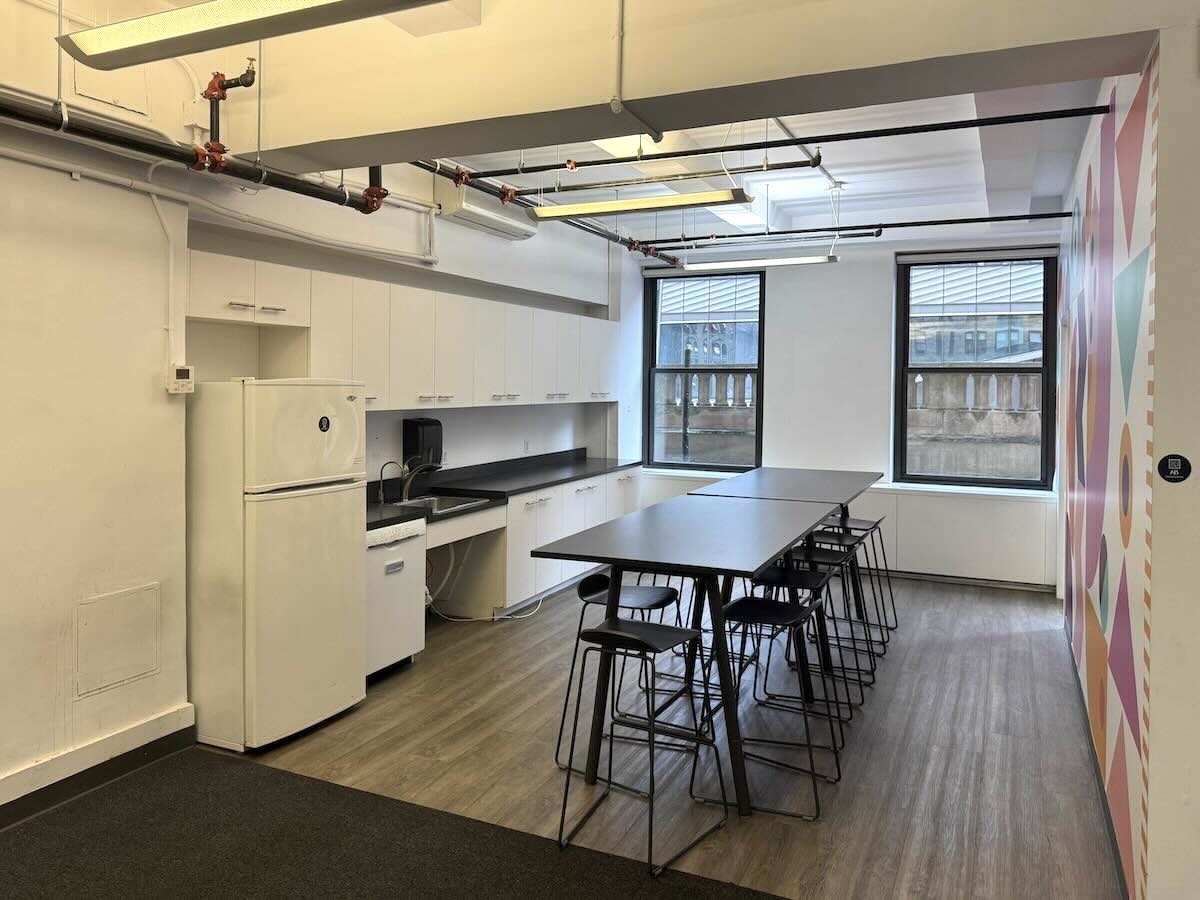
column 276, row 507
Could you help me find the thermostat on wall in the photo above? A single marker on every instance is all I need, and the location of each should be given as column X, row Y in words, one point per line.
column 181, row 380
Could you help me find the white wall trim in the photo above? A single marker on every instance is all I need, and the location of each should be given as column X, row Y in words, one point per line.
column 44, row 772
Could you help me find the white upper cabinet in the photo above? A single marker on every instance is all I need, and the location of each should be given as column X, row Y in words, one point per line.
column 486, row 321
column 331, row 327
column 220, row 287
column 543, row 358
column 567, row 358
column 597, row 360
column 556, row 363
column 518, row 350
column 281, row 294
column 413, row 366
column 453, row 360
column 372, row 344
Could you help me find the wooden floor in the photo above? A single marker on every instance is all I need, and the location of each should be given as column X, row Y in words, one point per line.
column 966, row 774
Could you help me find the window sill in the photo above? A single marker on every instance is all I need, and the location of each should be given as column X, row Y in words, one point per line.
column 690, row 474
column 912, row 487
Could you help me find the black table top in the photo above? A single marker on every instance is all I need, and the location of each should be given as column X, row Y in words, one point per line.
column 695, row 535
column 815, row 485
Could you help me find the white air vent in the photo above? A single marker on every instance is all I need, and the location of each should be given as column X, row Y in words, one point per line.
column 477, row 210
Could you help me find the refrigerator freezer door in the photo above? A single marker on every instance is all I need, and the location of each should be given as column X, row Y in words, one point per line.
column 303, row 432
column 305, row 608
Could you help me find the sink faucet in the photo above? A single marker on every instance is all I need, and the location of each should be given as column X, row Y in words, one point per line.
column 412, row 473
column 391, row 462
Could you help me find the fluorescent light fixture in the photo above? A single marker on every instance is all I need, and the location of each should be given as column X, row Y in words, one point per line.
column 216, row 23
column 640, row 204
column 721, row 265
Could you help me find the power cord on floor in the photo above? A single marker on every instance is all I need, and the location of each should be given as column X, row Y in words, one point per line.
column 449, row 618
column 456, row 571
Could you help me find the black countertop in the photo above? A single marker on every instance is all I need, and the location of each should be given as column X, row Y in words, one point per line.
column 496, row 481
column 532, row 477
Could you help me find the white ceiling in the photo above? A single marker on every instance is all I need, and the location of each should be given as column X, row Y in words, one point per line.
column 1000, row 170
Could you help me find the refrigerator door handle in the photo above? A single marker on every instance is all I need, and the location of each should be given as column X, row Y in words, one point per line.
column 307, row 491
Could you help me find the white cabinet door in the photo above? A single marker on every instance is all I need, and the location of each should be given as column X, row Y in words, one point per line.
column 453, row 364
column 597, row 365
column 544, row 357
column 413, row 382
column 622, row 492
column 220, row 287
column 584, row 504
column 567, row 367
column 551, row 523
column 520, row 538
column 486, row 322
column 331, row 327
column 281, row 294
column 371, row 340
column 518, row 353
column 608, row 367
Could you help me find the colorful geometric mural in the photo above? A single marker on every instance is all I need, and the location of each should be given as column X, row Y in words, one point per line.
column 1106, row 418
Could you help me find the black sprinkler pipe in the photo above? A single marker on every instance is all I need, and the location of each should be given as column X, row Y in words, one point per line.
column 52, row 119
column 832, row 138
column 509, row 195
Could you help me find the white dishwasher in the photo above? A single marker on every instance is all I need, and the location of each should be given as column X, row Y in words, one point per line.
column 395, row 593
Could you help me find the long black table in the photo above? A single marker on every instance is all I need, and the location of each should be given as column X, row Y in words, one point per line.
column 807, row 485
column 711, row 540
column 840, row 486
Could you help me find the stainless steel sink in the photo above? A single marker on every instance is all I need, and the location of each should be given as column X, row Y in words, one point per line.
column 438, row 505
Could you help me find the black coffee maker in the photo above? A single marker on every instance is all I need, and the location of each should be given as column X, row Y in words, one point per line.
column 422, row 438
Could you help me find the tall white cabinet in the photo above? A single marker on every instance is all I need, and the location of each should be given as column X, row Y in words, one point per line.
column 372, row 345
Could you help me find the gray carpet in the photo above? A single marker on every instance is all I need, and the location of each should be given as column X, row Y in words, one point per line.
column 205, row 824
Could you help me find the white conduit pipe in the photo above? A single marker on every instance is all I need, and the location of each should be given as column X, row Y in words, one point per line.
column 146, row 187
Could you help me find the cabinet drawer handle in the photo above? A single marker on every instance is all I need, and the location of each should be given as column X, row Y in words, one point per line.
column 551, row 396
column 445, row 396
column 498, row 396
column 531, row 503
column 369, row 397
column 240, row 304
column 274, row 308
column 512, row 396
column 426, row 396
column 393, row 567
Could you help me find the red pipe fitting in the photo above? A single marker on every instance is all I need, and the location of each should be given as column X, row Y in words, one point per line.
column 373, row 198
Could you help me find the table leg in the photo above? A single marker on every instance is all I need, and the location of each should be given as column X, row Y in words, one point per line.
column 718, row 596
column 603, row 674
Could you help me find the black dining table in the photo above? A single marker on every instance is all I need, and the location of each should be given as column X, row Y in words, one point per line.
column 712, row 540
column 840, row 486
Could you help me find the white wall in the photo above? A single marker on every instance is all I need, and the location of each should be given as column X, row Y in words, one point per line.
column 1173, row 727
column 93, row 491
column 491, row 433
column 827, row 385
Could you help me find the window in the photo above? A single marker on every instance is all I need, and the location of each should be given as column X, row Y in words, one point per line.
column 979, row 410
column 704, row 371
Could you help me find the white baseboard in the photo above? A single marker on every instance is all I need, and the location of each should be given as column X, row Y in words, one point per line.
column 46, row 771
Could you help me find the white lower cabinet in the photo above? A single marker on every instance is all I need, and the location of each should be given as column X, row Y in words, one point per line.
column 622, row 492
column 584, row 504
column 534, row 519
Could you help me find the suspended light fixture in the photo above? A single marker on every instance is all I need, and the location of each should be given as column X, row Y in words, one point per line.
column 721, row 265
column 213, row 24
column 640, row 204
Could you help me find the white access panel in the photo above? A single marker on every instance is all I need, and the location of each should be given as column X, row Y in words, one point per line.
column 303, row 431
column 305, row 608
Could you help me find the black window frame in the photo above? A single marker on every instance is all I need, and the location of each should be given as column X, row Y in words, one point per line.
column 650, row 369
column 1048, row 370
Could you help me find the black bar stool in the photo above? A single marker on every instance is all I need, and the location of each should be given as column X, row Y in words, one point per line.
column 873, row 528
column 860, row 670
column 643, row 642
column 593, row 591
column 869, row 613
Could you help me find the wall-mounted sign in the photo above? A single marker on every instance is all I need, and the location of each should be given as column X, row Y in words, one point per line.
column 1174, row 467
